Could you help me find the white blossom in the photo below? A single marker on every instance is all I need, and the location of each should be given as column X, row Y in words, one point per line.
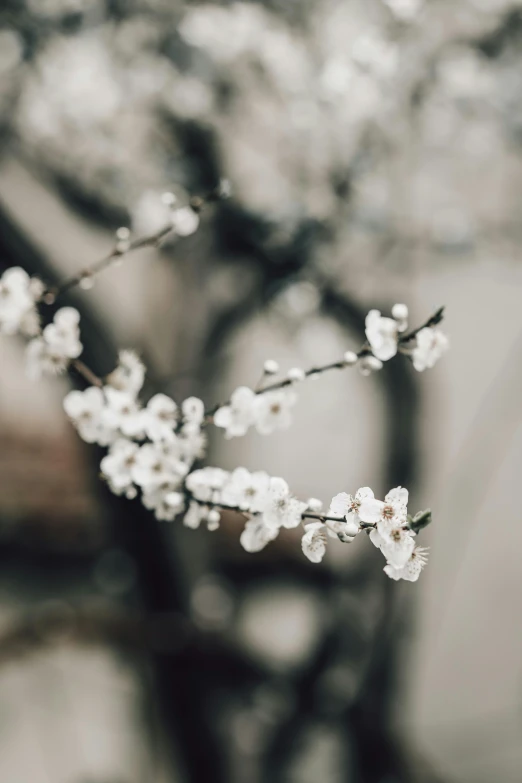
column 385, row 513
column 160, row 417
column 86, row 409
column 273, row 410
column 430, row 344
column 123, row 413
column 247, row 491
column 236, row 417
column 129, row 374
column 156, row 465
column 281, row 509
column 117, row 466
column 381, row 334
column 193, row 412
column 347, row 506
column 395, row 542
column 313, row 542
column 207, row 484
column 57, row 345
column 257, row 534
column 17, row 302
column 191, row 444
column 412, row 568
column 198, row 513
column 164, row 501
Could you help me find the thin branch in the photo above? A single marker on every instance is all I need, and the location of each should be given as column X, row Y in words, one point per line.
column 433, row 320
column 197, row 203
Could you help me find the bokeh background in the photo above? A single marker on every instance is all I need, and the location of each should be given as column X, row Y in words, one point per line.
column 374, row 153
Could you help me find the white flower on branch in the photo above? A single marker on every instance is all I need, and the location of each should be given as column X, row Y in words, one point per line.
column 207, row 484
column 86, row 411
column 396, row 543
column 347, row 506
column 18, row 294
column 197, row 513
column 273, row 410
column 313, row 542
column 257, row 534
column 281, row 509
column 118, row 466
column 430, row 344
column 160, row 417
column 236, row 417
column 164, row 501
column 191, row 443
column 413, row 567
column 129, row 374
column 57, row 345
column 382, row 335
column 248, row 491
column 193, row 412
column 385, row 513
column 157, row 464
column 123, row 413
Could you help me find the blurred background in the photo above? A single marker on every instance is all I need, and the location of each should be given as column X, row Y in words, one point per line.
column 374, row 149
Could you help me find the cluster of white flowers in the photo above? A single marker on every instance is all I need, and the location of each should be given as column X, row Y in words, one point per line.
column 425, row 346
column 152, row 448
column 386, row 521
column 269, row 506
column 18, row 297
column 58, row 343
column 266, row 412
column 266, row 500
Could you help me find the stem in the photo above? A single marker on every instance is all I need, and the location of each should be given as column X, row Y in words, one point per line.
column 82, row 369
column 304, row 515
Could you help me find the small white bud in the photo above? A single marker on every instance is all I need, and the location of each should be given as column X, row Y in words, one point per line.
column 213, row 519
column 314, row 504
column 400, row 312
column 185, row 221
column 369, row 364
column 271, row 367
column 350, row 358
column 123, row 233
column 351, row 528
column 296, row 374
column 87, row 282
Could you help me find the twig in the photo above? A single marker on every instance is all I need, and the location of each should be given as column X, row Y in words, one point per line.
column 433, row 320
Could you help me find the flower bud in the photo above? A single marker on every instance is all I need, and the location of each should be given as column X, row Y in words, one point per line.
column 270, row 367
column 296, row 374
column 351, row 528
column 350, row 358
column 314, row 504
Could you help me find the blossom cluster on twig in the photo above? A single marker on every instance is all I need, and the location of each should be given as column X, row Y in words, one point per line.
column 154, row 449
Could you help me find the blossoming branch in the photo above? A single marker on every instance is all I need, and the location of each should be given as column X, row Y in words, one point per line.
column 154, row 450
